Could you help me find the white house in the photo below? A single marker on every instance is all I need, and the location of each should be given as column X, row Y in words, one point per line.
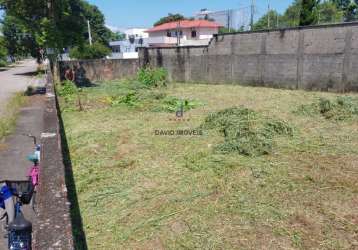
column 182, row 33
column 136, row 33
column 128, row 48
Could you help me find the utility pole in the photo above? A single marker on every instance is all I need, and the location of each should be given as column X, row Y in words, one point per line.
column 228, row 20
column 89, row 32
column 268, row 14
column 178, row 33
column 51, row 48
column 252, row 14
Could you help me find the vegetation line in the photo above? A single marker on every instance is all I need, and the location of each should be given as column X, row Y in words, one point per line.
column 9, row 117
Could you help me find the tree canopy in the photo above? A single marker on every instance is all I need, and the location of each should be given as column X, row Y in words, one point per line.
column 263, row 22
column 310, row 12
column 170, row 18
column 58, row 24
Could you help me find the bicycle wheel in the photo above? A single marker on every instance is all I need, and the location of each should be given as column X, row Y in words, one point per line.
column 33, row 201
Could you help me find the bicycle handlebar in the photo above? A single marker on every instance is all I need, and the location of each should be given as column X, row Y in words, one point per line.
column 31, row 136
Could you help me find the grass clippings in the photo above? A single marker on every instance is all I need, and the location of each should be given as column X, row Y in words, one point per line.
column 137, row 190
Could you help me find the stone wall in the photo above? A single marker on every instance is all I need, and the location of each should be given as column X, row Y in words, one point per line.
column 53, row 224
column 90, row 71
column 311, row 58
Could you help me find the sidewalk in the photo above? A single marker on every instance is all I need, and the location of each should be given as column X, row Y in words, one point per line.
column 15, row 148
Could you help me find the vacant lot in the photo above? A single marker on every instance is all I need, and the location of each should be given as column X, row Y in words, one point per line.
column 139, row 190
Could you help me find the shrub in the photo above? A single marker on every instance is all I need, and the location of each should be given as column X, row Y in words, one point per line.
column 153, row 77
column 245, row 131
column 67, row 88
column 96, row 51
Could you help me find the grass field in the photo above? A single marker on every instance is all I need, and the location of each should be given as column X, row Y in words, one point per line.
column 139, row 190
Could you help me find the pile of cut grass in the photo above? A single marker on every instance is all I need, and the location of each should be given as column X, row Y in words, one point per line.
column 246, row 131
column 339, row 109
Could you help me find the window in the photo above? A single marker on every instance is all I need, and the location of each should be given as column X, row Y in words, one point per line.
column 169, row 34
column 193, row 33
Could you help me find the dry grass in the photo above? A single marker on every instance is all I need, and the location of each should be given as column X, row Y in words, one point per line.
column 135, row 191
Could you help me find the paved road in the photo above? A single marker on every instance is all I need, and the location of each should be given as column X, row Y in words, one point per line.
column 14, row 80
column 15, row 148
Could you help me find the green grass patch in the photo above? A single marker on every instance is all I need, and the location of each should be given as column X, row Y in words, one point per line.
column 8, row 119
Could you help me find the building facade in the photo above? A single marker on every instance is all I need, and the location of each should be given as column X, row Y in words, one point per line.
column 182, row 33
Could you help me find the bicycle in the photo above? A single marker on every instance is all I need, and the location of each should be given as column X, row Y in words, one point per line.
column 13, row 195
column 34, row 171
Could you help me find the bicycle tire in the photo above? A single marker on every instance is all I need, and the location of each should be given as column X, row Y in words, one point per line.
column 33, row 201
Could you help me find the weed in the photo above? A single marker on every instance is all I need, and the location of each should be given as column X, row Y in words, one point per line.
column 245, row 131
column 173, row 104
column 153, row 77
column 66, row 89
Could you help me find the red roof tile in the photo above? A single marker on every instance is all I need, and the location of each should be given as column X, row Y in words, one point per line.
column 184, row 24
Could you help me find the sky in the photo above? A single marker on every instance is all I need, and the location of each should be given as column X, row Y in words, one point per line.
column 143, row 13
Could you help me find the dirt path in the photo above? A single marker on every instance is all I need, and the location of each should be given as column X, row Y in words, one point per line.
column 15, row 148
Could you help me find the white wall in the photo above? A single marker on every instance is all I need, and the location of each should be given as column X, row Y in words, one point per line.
column 136, row 32
column 160, row 37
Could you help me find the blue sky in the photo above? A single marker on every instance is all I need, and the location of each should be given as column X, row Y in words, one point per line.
column 143, row 13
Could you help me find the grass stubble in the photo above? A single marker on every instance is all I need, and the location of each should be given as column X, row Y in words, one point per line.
column 137, row 190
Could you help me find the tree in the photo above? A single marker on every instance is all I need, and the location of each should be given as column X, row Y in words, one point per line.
column 170, row 18
column 52, row 24
column 351, row 12
column 225, row 30
column 96, row 51
column 99, row 31
column 262, row 23
column 117, row 36
column 309, row 14
column 3, row 52
column 17, row 42
column 329, row 13
column 341, row 4
column 57, row 24
column 291, row 16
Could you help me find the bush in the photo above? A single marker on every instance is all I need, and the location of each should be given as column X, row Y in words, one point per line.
column 153, row 77
column 96, row 51
column 245, row 131
column 67, row 88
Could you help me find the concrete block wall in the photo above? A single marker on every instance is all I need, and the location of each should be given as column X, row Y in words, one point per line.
column 90, row 71
column 311, row 58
